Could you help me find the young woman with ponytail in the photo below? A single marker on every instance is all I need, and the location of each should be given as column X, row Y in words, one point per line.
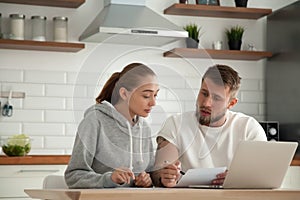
column 113, row 145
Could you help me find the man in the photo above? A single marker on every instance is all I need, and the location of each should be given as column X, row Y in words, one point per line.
column 208, row 137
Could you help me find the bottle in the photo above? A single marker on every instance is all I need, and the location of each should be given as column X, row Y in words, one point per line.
column 60, row 29
column 17, row 22
column 38, row 28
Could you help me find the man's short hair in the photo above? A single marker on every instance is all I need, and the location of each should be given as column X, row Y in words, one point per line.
column 224, row 75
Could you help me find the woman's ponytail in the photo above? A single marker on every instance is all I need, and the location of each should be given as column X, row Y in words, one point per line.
column 108, row 88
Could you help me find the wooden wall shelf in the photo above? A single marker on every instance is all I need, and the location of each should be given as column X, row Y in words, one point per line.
column 35, row 160
column 217, row 54
column 216, row 11
column 55, row 3
column 40, row 46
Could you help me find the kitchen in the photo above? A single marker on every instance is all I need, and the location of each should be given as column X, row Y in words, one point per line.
column 59, row 86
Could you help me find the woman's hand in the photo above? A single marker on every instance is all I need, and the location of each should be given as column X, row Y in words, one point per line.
column 143, row 180
column 220, row 179
column 122, row 175
column 170, row 174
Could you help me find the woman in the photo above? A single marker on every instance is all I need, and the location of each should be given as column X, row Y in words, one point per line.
column 113, row 145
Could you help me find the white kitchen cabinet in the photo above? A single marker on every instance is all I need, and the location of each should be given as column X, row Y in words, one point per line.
column 15, row 178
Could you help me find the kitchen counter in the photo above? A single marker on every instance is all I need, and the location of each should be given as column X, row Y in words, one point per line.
column 64, row 160
column 162, row 193
column 35, row 160
column 296, row 160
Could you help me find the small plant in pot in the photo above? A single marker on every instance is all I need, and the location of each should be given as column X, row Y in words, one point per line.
column 234, row 36
column 193, row 40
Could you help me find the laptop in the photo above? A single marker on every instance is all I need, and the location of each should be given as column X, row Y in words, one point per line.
column 258, row 165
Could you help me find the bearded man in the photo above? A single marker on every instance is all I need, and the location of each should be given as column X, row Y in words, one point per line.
column 209, row 136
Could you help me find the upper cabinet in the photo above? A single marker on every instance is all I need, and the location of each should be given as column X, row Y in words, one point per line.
column 216, row 11
column 44, row 45
column 55, row 3
column 220, row 12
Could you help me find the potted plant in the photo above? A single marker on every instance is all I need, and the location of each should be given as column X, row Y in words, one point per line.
column 234, row 36
column 241, row 3
column 193, row 40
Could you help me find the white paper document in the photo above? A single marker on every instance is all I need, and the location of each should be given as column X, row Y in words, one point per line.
column 200, row 176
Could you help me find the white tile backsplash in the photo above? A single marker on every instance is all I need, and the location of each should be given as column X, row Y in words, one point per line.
column 44, row 129
column 250, row 85
column 71, row 129
column 170, row 81
column 171, row 106
column 59, row 142
column 192, row 82
column 63, row 116
column 71, row 77
column 32, row 76
column 252, row 96
column 181, row 94
column 66, row 90
column 80, row 104
column 28, row 88
column 10, row 128
column 37, row 141
column 55, row 101
column 7, row 75
column 248, row 108
column 24, row 116
column 88, row 78
column 44, row 103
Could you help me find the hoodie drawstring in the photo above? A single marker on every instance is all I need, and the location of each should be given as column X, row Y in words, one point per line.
column 131, row 145
column 141, row 143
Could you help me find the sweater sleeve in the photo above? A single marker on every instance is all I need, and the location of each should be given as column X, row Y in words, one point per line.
column 79, row 172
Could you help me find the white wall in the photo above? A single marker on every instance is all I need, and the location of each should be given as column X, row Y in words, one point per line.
column 60, row 86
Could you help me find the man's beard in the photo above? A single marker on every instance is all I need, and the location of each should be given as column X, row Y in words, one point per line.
column 207, row 120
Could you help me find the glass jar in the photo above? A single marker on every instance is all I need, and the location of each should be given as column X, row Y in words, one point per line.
column 17, row 23
column 60, row 29
column 38, row 28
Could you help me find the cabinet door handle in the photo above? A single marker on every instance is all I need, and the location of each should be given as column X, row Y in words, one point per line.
column 38, row 170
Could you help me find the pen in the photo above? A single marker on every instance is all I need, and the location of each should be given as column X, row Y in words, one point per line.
column 181, row 172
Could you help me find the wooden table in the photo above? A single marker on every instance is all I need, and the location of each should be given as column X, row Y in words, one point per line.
column 163, row 194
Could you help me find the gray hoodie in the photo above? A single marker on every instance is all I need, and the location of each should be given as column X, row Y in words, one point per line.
column 105, row 140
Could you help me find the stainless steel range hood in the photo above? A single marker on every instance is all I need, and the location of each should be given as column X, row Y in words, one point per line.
column 131, row 22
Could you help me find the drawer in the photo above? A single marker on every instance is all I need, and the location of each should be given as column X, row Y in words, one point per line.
column 30, row 170
column 14, row 187
column 15, row 178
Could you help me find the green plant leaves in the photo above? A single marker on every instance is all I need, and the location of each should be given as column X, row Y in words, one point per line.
column 193, row 31
column 235, row 32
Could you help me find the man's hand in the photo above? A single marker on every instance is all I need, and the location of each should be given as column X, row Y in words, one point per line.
column 170, row 174
column 219, row 180
column 143, row 180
